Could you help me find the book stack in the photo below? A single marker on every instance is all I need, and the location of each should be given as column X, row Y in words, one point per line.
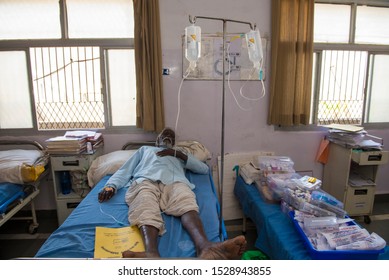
column 75, row 142
column 94, row 138
column 354, row 137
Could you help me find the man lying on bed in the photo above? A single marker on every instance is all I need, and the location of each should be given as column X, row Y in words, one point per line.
column 157, row 182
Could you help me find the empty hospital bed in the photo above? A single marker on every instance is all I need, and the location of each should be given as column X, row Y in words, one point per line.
column 23, row 165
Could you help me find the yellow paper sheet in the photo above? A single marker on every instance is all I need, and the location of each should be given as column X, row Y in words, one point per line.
column 111, row 242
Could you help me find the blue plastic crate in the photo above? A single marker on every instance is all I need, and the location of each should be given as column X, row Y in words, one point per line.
column 334, row 254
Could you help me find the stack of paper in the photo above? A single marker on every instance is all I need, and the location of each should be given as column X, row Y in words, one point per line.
column 75, row 142
column 66, row 145
column 346, row 138
column 352, row 137
column 95, row 138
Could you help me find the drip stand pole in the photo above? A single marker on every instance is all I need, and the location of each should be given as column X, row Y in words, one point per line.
column 221, row 178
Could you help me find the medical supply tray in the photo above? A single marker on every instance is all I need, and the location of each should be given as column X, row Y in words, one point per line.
column 334, row 254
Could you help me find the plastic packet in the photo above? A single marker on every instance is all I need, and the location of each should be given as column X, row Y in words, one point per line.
column 317, row 211
column 275, row 164
column 373, row 242
column 322, row 204
column 323, row 196
column 294, row 199
column 308, row 183
column 337, row 239
column 278, row 183
column 320, row 222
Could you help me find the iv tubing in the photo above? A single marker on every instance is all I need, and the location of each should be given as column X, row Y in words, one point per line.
column 229, row 85
column 263, row 87
column 241, row 93
column 119, row 222
column 179, row 97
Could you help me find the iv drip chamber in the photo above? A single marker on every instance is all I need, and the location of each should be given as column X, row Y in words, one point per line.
column 254, row 46
column 192, row 43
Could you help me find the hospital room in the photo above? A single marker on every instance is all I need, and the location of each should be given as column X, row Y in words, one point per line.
column 259, row 129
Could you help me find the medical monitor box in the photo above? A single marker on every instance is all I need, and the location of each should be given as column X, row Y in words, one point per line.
column 333, row 254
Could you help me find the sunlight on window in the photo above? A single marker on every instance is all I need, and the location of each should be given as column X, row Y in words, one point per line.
column 335, row 30
column 17, row 96
column 100, row 18
column 377, row 108
column 372, row 25
column 34, row 19
column 121, row 70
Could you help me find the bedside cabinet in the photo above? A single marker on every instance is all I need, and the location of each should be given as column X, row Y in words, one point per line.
column 75, row 168
column 350, row 176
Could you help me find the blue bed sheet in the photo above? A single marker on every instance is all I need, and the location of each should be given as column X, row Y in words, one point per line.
column 277, row 236
column 9, row 192
column 75, row 238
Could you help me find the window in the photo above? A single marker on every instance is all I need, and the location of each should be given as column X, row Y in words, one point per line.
column 350, row 61
column 67, row 64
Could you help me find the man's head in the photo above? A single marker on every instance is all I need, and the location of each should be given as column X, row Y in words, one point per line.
column 167, row 138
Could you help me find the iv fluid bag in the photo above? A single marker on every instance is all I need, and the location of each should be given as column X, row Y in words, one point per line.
column 254, row 46
column 192, row 43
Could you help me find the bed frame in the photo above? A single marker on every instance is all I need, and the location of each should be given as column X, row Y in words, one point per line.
column 31, row 189
column 75, row 239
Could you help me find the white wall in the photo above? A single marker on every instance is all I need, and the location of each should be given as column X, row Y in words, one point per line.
column 200, row 117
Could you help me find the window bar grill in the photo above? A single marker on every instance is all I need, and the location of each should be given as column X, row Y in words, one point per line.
column 56, row 97
column 341, row 87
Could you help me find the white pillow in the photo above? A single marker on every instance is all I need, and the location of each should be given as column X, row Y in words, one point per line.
column 11, row 162
column 107, row 164
column 195, row 148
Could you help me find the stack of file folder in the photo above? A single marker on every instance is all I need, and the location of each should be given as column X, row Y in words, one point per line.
column 354, row 137
column 75, row 142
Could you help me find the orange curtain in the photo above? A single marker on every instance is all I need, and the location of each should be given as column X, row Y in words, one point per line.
column 291, row 62
column 148, row 64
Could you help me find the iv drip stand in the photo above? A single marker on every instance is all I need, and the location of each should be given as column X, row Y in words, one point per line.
column 221, row 179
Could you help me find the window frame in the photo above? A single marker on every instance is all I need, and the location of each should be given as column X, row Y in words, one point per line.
column 104, row 44
column 371, row 49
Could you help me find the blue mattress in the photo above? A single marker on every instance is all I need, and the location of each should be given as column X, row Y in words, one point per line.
column 9, row 193
column 75, row 238
column 278, row 237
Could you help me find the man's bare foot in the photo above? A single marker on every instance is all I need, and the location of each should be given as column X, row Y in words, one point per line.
column 228, row 250
column 140, row 255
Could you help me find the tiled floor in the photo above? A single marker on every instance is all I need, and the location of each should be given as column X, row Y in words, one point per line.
column 15, row 242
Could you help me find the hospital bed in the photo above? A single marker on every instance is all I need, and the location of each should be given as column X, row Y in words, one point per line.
column 23, row 165
column 277, row 236
column 75, row 238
